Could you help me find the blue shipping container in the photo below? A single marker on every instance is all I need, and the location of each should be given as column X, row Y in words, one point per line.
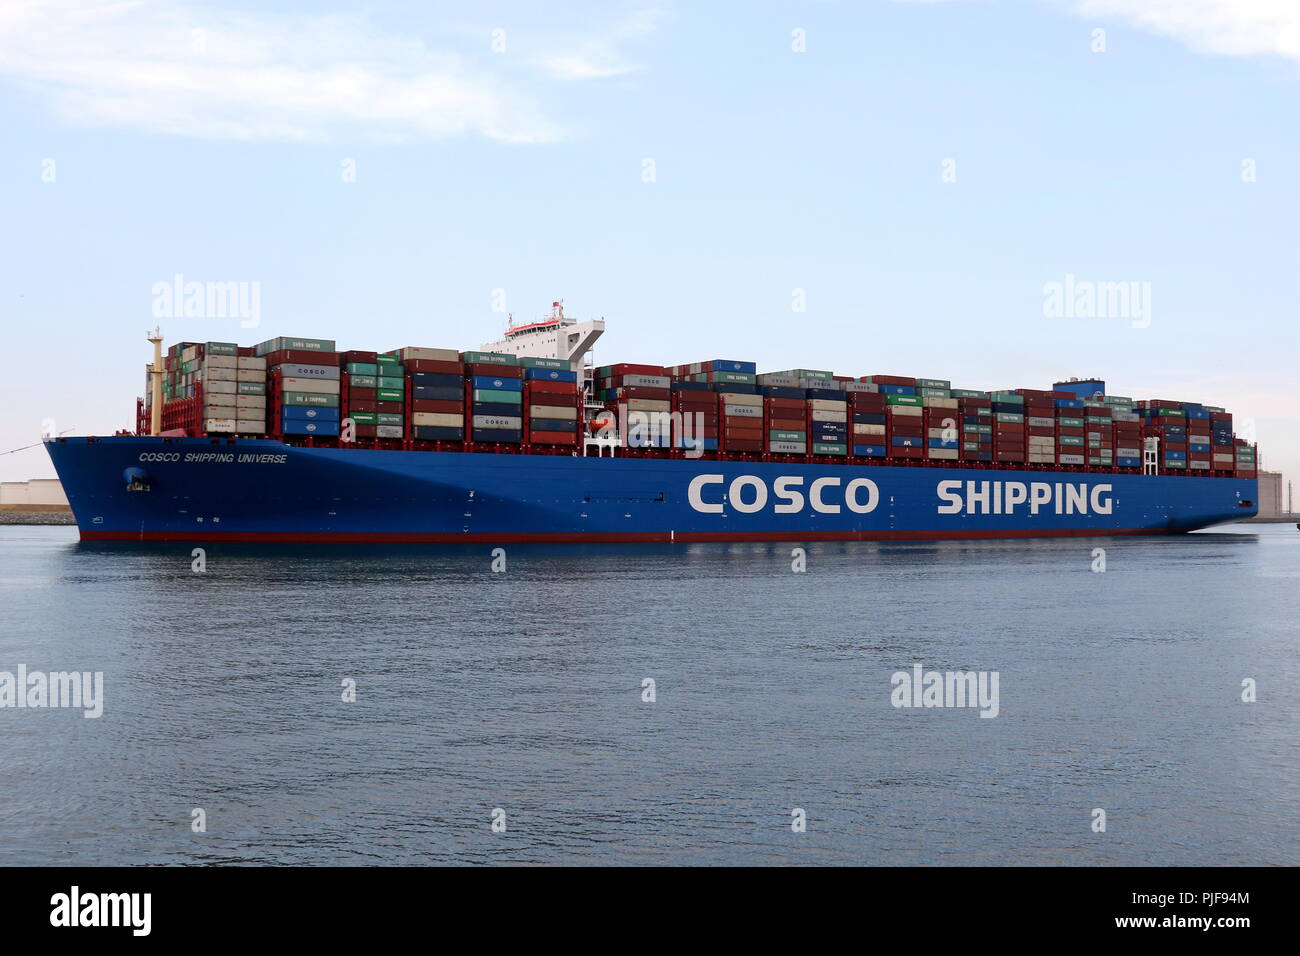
column 311, row 428
column 308, row 413
column 503, row 384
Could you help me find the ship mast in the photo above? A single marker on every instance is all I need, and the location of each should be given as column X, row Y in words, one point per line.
column 155, row 382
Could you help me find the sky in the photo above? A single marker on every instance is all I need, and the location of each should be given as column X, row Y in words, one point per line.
column 867, row 187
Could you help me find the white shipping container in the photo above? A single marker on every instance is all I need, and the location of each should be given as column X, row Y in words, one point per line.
column 220, row 361
column 942, row 452
column 250, row 401
column 1220, row 458
column 220, row 411
column 250, row 427
column 868, row 430
column 939, row 402
column 434, row 355
column 1041, row 459
column 782, row 381
column 1199, row 465
column 440, row 419
column 826, row 415
column 870, row 387
column 788, row 447
column 189, row 353
column 742, row 411
column 648, row 405
column 388, row 431
column 735, row 398
column 1071, row 459
column 294, row 370
column 1039, row 422
column 498, row 421
column 826, row 405
column 256, row 363
column 220, row 388
column 320, row 387
column 567, row 412
column 213, row 374
column 1133, row 453
column 250, row 375
column 646, row 381
column 220, row 425
column 905, row 411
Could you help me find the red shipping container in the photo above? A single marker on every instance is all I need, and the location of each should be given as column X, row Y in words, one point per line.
column 562, row 399
column 358, row 356
column 793, row 404
column 436, row 406
column 1029, row 393
column 974, row 403
column 1174, row 446
column 558, row 388
column 787, row 424
column 390, row 408
column 898, row 451
column 1000, row 455
column 366, row 431
column 1008, row 428
column 1042, row 430
column 889, row 380
column 552, row 438
column 742, row 444
column 362, row 406
column 627, row 369
column 914, row 431
column 489, row 370
column 436, row 366
column 302, row 357
column 744, row 434
column 1069, row 430
column 640, row 391
column 356, row 394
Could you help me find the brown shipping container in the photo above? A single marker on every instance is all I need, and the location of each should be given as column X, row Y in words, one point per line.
column 435, row 366
column 301, row 357
column 437, row 407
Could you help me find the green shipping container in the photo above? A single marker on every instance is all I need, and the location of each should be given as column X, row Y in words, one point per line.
column 221, row 348
column 1011, row 418
column 1007, row 398
column 392, row 381
column 362, row 368
column 289, row 342
column 787, row 436
column 363, row 381
column 820, row 448
column 902, row 399
column 1070, row 422
column 498, row 395
column 807, row 373
column 364, row 418
column 934, row 391
column 389, row 395
column 490, row 358
column 389, row 361
column 966, row 393
column 1069, row 440
column 933, row 383
column 311, row 398
column 250, row 388
column 388, row 418
column 528, row 361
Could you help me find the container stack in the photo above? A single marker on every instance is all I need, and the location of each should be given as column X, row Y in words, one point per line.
column 303, row 386
column 828, row 419
column 867, row 409
column 1126, row 427
column 1009, row 438
column 552, row 402
column 784, row 414
column 494, row 388
column 1098, row 429
column 1245, row 464
column 1199, row 454
column 1222, row 456
column 904, row 415
column 1166, row 420
column 1040, row 426
column 976, row 413
column 436, row 395
column 696, row 420
column 942, row 419
column 645, row 390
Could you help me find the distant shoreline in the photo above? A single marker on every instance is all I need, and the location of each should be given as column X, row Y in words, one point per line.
column 36, row 517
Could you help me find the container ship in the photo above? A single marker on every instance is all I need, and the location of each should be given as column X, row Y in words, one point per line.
column 528, row 440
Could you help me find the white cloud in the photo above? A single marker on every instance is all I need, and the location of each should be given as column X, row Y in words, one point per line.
column 1225, row 27
column 600, row 57
column 168, row 68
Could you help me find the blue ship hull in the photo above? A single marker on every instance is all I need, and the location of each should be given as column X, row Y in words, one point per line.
column 198, row 490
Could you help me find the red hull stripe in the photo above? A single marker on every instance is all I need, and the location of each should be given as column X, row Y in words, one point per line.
column 421, row 537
